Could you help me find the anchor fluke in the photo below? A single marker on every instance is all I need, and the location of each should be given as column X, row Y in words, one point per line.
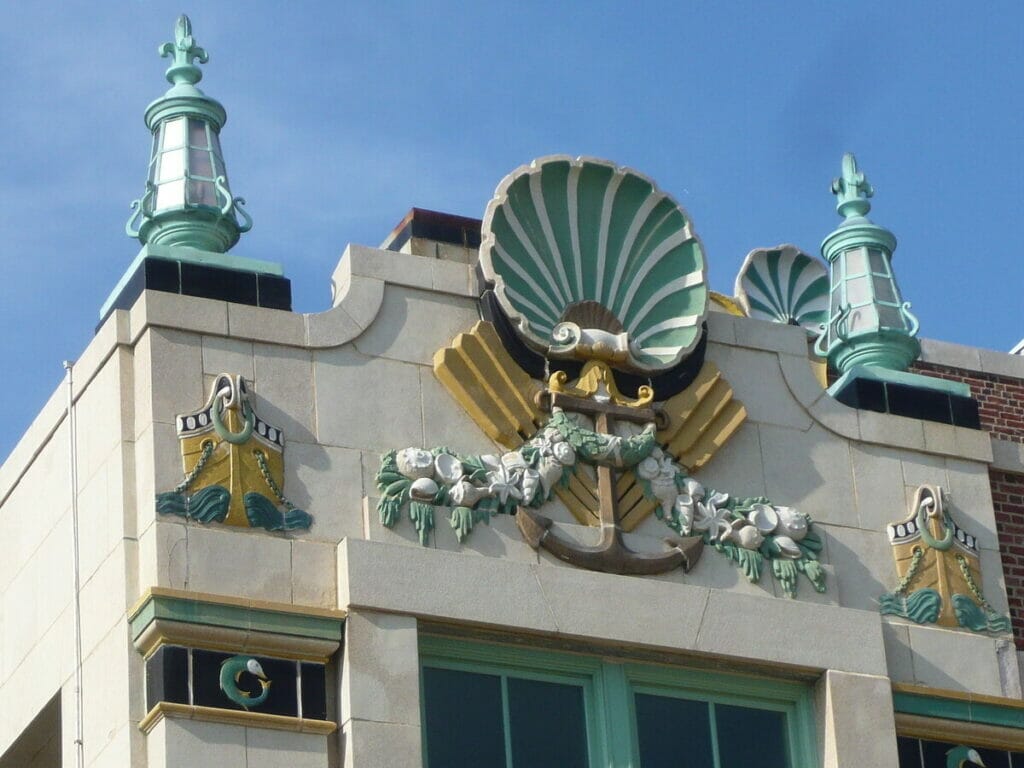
column 610, row 554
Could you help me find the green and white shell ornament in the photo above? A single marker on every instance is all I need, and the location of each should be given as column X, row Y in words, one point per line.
column 784, row 285
column 567, row 233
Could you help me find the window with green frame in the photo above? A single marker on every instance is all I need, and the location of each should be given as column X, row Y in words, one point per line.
column 492, row 706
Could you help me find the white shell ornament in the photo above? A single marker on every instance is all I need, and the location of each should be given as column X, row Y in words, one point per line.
column 792, row 523
column 423, row 489
column 585, row 254
column 448, row 468
column 784, row 285
column 763, row 517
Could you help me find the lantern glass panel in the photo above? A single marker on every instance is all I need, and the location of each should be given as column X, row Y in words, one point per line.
column 878, row 263
column 884, row 290
column 172, row 165
column 170, row 195
column 858, row 290
column 202, row 193
column 862, row 319
column 856, row 261
column 199, row 163
column 890, row 317
column 173, row 133
column 197, row 134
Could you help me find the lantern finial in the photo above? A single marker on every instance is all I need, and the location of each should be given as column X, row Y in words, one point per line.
column 852, row 189
column 184, row 50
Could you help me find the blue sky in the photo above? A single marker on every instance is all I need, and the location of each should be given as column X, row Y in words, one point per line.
column 342, row 116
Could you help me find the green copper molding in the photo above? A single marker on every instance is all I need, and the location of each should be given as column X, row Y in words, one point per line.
column 987, row 713
column 249, row 618
column 187, row 201
column 868, row 322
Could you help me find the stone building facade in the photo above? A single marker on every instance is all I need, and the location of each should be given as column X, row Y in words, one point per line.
column 379, row 536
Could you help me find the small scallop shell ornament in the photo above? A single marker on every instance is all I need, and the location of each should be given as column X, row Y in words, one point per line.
column 784, row 285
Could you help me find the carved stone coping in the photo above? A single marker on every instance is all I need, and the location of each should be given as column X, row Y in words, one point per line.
column 967, row 718
column 789, row 343
column 231, row 717
column 217, row 622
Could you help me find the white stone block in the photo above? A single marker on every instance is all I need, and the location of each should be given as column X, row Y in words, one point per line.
column 1001, row 363
column 270, row 325
column 327, row 483
column 810, row 471
column 367, row 744
column 314, row 577
column 163, row 555
column 224, row 355
column 170, row 380
column 792, row 632
column 380, row 678
column 276, row 749
column 771, row 337
column 857, row 726
column 863, row 564
column 737, row 467
column 196, row 744
column 955, row 659
column 426, row 582
column 283, row 386
column 722, row 327
column 836, row 417
column 800, row 378
column 238, row 561
column 921, row 469
column 946, row 353
column 940, row 438
column 879, row 483
column 172, row 310
column 99, row 416
column 970, row 500
column 414, row 324
column 105, row 681
column 1007, row 455
column 103, row 599
column 158, row 469
column 757, row 382
column 446, row 423
column 499, row 537
column 886, row 429
column 898, row 655
column 349, row 387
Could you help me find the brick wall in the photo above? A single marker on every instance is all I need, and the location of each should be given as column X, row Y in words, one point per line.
column 1008, row 500
column 1001, row 407
column 1000, row 398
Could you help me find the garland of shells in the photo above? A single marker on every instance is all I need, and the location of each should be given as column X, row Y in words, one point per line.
column 749, row 531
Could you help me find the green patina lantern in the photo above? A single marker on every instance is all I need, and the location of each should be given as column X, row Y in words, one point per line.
column 188, row 201
column 868, row 324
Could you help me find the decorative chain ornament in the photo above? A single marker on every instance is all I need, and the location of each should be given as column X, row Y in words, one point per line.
column 197, row 469
column 261, row 459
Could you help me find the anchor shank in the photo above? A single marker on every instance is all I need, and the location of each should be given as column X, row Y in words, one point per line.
column 608, row 510
column 595, row 408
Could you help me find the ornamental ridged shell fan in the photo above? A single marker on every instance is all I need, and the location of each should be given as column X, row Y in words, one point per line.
column 564, row 234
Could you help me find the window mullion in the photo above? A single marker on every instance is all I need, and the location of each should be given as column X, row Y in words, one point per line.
column 506, row 716
column 713, row 725
column 620, row 719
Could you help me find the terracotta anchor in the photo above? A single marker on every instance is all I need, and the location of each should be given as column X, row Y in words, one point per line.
column 610, row 554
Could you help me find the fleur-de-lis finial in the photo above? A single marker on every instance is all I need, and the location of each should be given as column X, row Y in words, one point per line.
column 852, row 189
column 184, row 50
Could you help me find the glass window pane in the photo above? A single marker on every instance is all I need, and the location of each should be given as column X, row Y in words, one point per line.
column 858, row 291
column 673, row 732
column 215, row 144
column 170, row 195
column 884, row 290
column 202, row 193
column 174, row 133
column 197, row 133
column 877, row 262
column 856, row 261
column 909, row 752
column 199, row 163
column 750, row 738
column 463, row 719
column 548, row 724
column 172, row 165
column 835, row 272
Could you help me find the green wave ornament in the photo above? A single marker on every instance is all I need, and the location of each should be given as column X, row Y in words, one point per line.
column 922, row 606
column 562, row 231
column 209, row 505
column 784, row 285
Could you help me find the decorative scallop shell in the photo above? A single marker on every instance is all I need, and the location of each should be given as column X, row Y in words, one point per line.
column 784, row 285
column 561, row 231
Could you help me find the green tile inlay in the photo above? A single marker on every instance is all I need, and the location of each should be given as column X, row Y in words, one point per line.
column 955, row 709
column 235, row 617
